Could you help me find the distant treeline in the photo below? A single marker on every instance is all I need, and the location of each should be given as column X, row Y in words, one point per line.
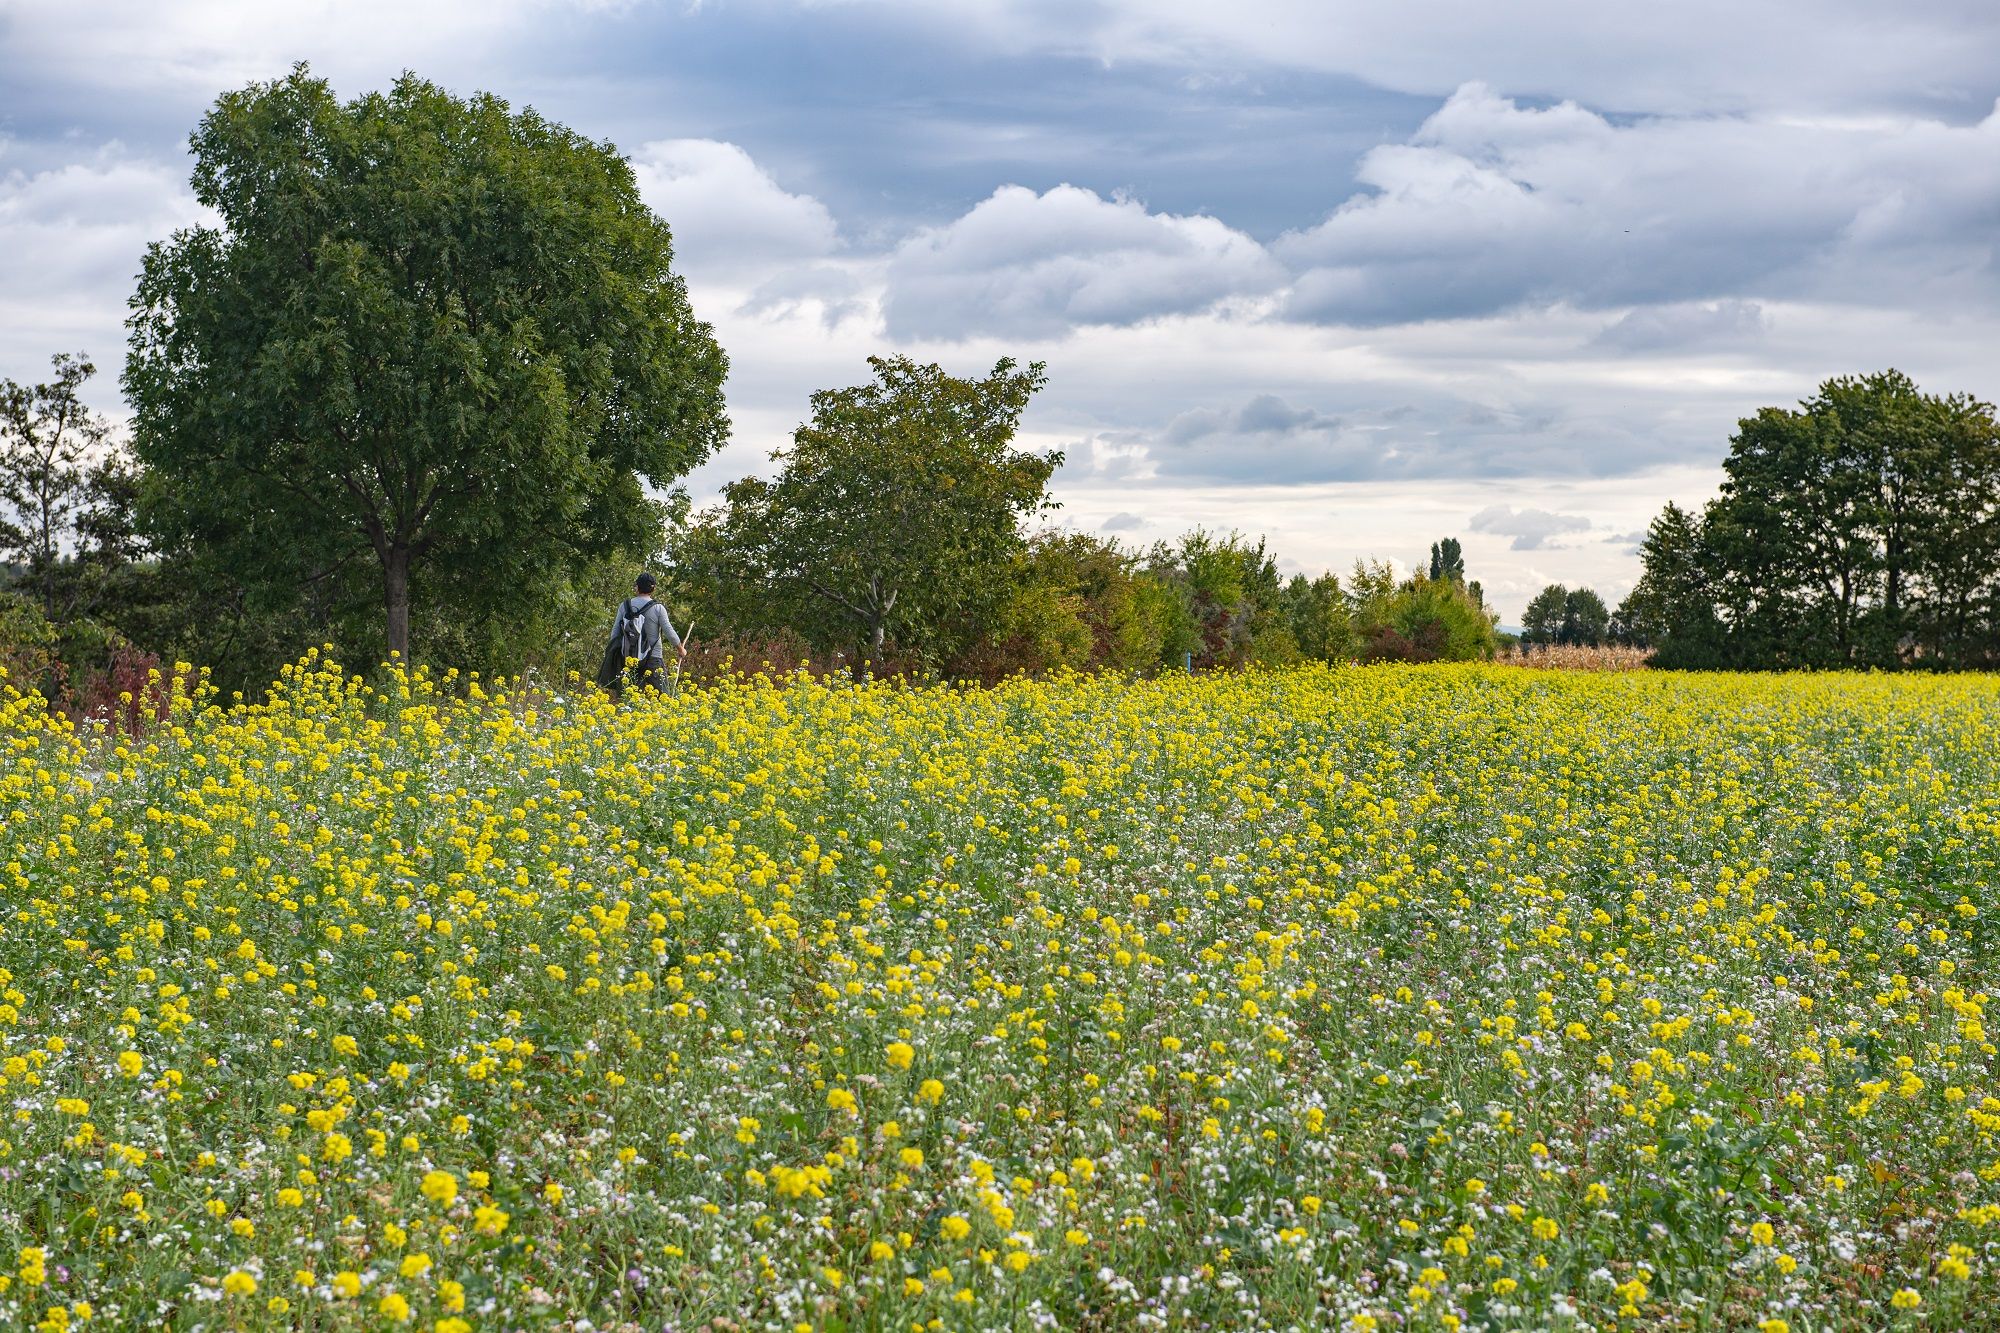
column 904, row 534
column 902, row 531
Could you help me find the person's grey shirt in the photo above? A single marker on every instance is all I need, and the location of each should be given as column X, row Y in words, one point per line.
column 654, row 626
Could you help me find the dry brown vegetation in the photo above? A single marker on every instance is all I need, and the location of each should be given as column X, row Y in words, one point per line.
column 1552, row 657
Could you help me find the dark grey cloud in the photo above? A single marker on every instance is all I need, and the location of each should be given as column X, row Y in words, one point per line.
column 1531, row 529
column 1122, row 522
column 1931, row 57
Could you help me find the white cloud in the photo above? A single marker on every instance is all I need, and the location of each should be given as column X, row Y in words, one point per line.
column 1716, row 325
column 731, row 220
column 1493, row 205
column 1024, row 264
column 204, row 46
column 71, row 242
column 1531, row 529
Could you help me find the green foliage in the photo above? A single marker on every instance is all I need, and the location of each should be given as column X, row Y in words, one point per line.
column 1862, row 529
column 426, row 358
column 896, row 516
column 1227, row 596
column 1542, row 622
column 1418, row 619
column 29, row 646
column 1317, row 617
column 1447, row 560
column 49, row 490
column 1570, row 617
column 1586, row 619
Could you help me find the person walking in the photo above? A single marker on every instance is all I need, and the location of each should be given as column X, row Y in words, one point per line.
column 639, row 632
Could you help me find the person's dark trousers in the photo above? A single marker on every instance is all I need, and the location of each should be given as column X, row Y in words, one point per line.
column 653, row 674
column 611, row 672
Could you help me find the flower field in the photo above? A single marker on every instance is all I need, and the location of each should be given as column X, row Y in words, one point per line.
column 1426, row 998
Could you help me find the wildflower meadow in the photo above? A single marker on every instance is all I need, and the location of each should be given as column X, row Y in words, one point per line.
column 1361, row 998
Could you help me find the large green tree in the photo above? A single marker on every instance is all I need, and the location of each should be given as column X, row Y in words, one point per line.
column 897, row 515
column 1861, row 528
column 432, row 341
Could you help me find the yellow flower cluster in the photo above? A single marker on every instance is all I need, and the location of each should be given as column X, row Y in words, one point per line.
column 1365, row 998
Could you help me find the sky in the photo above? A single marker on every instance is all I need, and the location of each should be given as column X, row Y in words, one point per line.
column 1346, row 274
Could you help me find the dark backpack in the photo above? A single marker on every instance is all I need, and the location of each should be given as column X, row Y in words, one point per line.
column 632, row 629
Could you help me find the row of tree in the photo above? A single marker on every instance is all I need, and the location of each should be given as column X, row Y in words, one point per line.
column 900, row 529
column 1568, row 618
column 1861, row 529
column 903, row 531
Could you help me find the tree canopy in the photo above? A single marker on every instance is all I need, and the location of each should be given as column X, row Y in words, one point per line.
column 1860, row 529
column 431, row 339
column 896, row 514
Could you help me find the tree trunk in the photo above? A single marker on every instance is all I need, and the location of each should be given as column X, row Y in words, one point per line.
column 396, row 599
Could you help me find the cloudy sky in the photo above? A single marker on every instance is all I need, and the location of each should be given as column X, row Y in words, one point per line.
column 1351, row 274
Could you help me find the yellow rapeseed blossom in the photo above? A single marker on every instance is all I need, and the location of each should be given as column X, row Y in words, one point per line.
column 1364, row 992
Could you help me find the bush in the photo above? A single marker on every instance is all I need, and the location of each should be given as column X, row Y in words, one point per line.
column 1419, row 619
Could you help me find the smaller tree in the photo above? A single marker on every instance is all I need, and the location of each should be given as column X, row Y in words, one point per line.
column 48, row 443
column 1586, row 620
column 1418, row 619
column 1447, row 560
column 1316, row 611
column 1229, row 591
column 897, row 513
column 1542, row 622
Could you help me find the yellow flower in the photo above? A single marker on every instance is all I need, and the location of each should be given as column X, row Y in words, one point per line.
column 239, row 1283
column 1906, row 1299
column 394, row 1306
column 900, row 1055
column 440, row 1187
column 955, row 1227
